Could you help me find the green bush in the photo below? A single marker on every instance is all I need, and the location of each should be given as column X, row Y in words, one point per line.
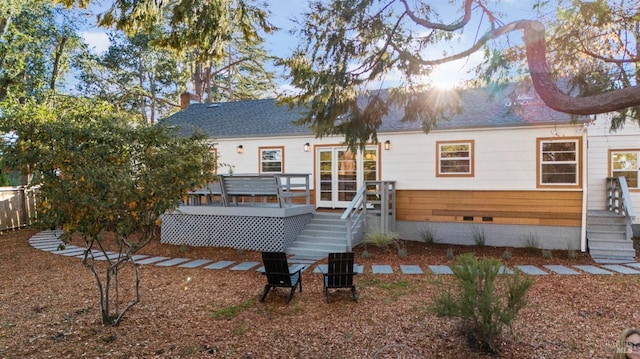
column 485, row 305
column 428, row 235
column 381, row 239
column 531, row 242
column 506, row 255
column 449, row 253
column 478, row 236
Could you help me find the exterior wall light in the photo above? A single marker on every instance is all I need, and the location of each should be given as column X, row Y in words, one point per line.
column 306, row 147
column 387, row 145
column 240, row 149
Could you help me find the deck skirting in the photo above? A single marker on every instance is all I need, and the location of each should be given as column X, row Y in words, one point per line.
column 249, row 228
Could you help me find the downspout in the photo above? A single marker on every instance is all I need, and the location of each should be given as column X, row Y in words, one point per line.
column 585, row 189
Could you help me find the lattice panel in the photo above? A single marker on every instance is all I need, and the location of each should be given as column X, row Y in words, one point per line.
column 251, row 233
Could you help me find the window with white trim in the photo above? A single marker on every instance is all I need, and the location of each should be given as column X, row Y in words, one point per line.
column 455, row 158
column 558, row 163
column 271, row 160
column 624, row 163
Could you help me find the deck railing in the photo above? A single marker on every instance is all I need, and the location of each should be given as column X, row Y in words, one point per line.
column 283, row 186
column 619, row 200
column 376, row 198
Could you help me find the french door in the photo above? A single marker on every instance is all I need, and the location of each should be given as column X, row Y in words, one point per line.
column 340, row 173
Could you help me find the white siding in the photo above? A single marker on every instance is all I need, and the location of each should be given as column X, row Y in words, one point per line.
column 504, row 158
column 601, row 140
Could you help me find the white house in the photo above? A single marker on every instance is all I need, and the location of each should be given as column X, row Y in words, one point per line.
column 514, row 172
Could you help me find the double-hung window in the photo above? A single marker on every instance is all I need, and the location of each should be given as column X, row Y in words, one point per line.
column 454, row 158
column 624, row 163
column 559, row 162
column 271, row 159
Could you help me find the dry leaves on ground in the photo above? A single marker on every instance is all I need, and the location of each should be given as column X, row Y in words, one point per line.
column 49, row 310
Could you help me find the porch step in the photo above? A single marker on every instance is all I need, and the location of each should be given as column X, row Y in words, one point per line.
column 607, row 238
column 325, row 233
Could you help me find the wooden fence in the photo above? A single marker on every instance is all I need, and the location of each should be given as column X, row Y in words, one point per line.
column 17, row 207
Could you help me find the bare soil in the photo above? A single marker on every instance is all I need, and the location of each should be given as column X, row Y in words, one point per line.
column 49, row 309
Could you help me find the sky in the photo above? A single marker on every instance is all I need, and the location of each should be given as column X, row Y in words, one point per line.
column 281, row 43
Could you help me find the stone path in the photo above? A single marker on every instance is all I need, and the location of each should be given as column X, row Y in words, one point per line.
column 48, row 241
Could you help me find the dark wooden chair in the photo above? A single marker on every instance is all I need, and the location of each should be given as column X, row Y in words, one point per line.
column 339, row 274
column 279, row 274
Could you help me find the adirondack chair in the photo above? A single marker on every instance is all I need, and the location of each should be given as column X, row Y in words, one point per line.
column 339, row 274
column 279, row 274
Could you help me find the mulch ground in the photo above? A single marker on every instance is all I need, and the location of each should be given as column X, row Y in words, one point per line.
column 49, row 309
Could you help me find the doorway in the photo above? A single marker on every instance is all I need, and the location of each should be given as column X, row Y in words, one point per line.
column 340, row 173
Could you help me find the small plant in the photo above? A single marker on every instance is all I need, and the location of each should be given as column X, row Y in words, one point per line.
column 381, row 239
column 485, row 305
column 232, row 311
column 449, row 253
column 428, row 235
column 571, row 253
column 531, row 242
column 365, row 254
column 183, row 248
column 478, row 236
column 546, row 254
column 240, row 252
column 402, row 248
column 506, row 255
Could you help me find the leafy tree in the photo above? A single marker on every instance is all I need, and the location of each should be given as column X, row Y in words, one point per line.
column 98, row 174
column 36, row 47
column 595, row 45
column 138, row 76
column 241, row 75
column 208, row 26
column 346, row 46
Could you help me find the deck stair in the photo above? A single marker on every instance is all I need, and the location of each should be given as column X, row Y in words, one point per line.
column 325, row 233
column 608, row 239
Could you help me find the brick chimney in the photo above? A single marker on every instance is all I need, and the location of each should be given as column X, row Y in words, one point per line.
column 186, row 98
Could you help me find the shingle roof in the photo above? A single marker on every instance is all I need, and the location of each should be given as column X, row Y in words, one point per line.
column 264, row 118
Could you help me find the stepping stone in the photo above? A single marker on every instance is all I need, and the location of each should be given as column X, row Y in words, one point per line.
column 441, row 269
column 531, row 270
column 592, row 269
column 245, row 266
column 172, row 262
column 219, row 265
column 411, row 269
column 96, row 253
column 505, row 270
column 109, row 255
column 50, row 248
column 152, row 260
column 634, row 265
column 71, row 252
column 560, row 269
column 381, row 269
column 322, row 268
column 292, row 268
column 45, row 242
column 137, row 257
column 196, row 263
column 621, row 269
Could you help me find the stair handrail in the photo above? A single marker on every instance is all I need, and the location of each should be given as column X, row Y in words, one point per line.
column 619, row 200
column 380, row 200
column 353, row 214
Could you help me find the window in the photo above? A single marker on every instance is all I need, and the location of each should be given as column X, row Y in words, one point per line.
column 455, row 159
column 624, row 163
column 271, row 160
column 558, row 162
